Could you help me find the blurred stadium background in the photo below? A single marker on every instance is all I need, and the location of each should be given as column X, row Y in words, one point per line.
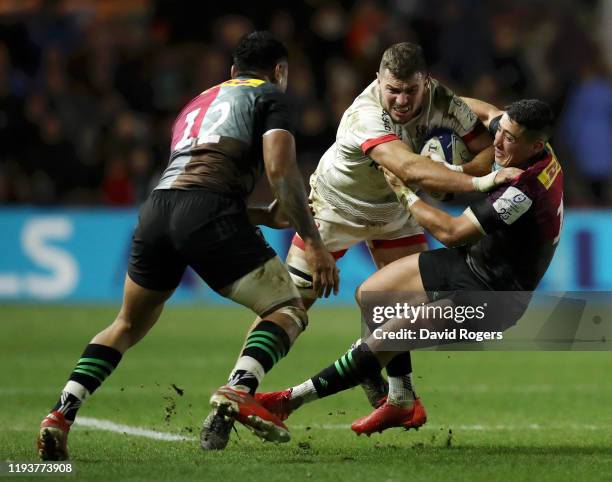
column 89, row 90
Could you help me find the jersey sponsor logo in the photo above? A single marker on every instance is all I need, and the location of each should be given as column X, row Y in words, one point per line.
column 512, row 204
column 460, row 111
column 243, row 82
column 550, row 172
column 386, row 121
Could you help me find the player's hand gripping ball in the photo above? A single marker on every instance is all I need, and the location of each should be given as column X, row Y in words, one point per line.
column 446, row 147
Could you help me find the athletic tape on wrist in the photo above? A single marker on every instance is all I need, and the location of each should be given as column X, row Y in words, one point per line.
column 407, row 197
column 484, row 183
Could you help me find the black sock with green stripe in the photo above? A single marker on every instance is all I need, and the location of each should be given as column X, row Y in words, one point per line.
column 351, row 369
column 264, row 347
column 96, row 363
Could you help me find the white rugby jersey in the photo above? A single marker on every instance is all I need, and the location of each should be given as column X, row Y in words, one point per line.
column 347, row 178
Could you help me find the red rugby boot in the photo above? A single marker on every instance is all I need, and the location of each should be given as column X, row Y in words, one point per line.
column 389, row 416
column 249, row 412
column 53, row 437
column 279, row 403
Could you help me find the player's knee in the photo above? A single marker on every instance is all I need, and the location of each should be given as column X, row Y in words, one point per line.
column 297, row 314
column 301, row 277
column 299, row 271
column 308, row 296
column 265, row 288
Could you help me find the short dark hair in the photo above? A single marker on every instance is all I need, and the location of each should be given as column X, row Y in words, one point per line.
column 259, row 51
column 534, row 115
column 403, row 60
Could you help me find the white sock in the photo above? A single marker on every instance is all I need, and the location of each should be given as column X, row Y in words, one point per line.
column 401, row 392
column 71, row 398
column 76, row 389
column 246, row 369
column 305, row 392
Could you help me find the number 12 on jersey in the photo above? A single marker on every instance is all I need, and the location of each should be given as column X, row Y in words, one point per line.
column 186, row 131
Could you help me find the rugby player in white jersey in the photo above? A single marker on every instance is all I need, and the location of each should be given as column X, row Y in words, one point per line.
column 386, row 126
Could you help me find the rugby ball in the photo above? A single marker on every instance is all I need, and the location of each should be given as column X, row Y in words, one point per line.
column 443, row 145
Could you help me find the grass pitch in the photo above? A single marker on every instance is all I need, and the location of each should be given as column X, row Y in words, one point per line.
column 492, row 415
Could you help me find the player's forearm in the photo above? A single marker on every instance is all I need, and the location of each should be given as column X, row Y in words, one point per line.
column 437, row 222
column 433, row 176
column 481, row 164
column 413, row 168
column 485, row 111
column 287, row 183
column 291, row 195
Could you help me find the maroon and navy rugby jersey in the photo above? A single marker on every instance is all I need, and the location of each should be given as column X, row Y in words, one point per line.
column 522, row 223
column 217, row 138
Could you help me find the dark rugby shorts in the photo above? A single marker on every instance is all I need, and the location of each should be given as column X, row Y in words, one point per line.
column 446, row 275
column 447, row 270
column 208, row 231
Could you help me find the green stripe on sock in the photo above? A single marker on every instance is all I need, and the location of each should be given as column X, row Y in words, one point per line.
column 348, row 369
column 345, row 364
column 272, row 336
column 350, row 359
column 339, row 368
column 97, row 361
column 274, row 348
column 266, row 341
column 264, row 348
column 85, row 372
column 271, row 340
column 93, row 368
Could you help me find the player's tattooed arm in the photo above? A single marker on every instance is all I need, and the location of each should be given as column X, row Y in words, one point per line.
column 288, row 186
column 286, row 182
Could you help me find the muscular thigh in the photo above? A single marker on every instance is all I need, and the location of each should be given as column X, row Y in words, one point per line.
column 269, row 292
column 385, row 256
column 337, row 236
column 396, row 240
column 400, row 275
